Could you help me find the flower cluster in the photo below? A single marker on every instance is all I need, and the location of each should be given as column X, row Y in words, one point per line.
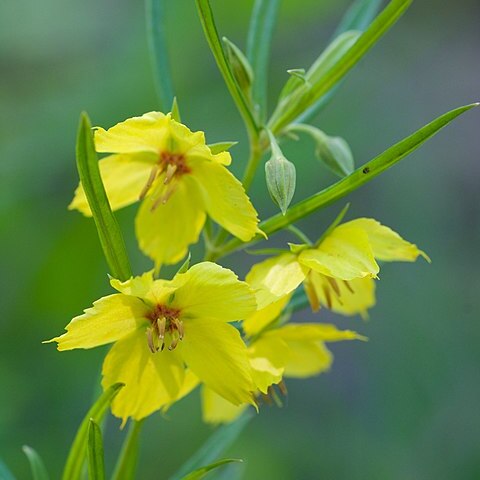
column 169, row 336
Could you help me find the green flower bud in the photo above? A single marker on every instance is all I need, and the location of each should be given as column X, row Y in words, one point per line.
column 281, row 176
column 240, row 66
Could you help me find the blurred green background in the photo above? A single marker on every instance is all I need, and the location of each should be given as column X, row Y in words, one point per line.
column 404, row 405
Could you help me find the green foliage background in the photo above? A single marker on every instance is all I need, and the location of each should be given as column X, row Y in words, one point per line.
column 404, row 405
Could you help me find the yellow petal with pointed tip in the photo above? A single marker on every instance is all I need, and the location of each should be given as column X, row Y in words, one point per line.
column 275, row 277
column 123, row 176
column 307, row 359
column 261, row 318
column 312, row 332
column 216, row 354
column 208, row 290
column 111, row 318
column 268, row 356
column 345, row 254
column 356, row 296
column 148, row 133
column 165, row 233
column 387, row 245
column 216, row 410
column 136, row 286
column 225, row 199
column 151, row 380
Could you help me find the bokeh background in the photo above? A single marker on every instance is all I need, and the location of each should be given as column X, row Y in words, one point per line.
column 404, row 405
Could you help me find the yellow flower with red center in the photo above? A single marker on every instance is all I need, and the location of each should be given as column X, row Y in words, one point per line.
column 179, row 180
column 159, row 328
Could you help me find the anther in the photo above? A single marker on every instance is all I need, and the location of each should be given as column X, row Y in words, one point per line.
column 328, row 296
column 151, row 179
column 349, row 286
column 171, row 169
column 334, row 285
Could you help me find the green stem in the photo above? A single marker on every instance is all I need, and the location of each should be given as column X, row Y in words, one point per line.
column 211, row 33
column 256, row 153
column 299, row 234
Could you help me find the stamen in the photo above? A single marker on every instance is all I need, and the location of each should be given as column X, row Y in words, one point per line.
column 334, row 285
column 171, row 169
column 312, row 295
column 179, row 326
column 349, row 286
column 163, row 199
column 150, row 341
column 328, row 296
column 283, row 388
column 151, row 179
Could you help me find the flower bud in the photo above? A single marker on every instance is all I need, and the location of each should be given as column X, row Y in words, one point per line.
column 281, row 175
column 240, row 66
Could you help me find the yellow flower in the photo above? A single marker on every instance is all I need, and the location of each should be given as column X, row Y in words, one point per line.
column 189, row 316
column 338, row 273
column 288, row 351
column 179, row 179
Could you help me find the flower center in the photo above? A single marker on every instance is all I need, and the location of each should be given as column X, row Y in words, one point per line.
column 174, row 165
column 164, row 321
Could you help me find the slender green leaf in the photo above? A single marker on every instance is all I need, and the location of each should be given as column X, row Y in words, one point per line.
column 358, row 17
column 127, row 460
column 175, row 110
column 259, row 39
column 186, row 264
column 202, row 471
column 221, row 147
column 39, row 472
column 333, row 225
column 96, row 462
column 387, row 18
column 108, row 229
column 218, row 442
column 155, row 16
column 232, row 471
column 5, row 473
column 76, row 457
column 359, row 177
column 211, row 33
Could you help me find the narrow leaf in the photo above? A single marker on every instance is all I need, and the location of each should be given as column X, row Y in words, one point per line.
column 39, row 472
column 358, row 17
column 221, row 147
column 333, row 75
column 334, row 224
column 218, row 442
column 155, row 17
column 76, row 457
column 211, row 33
column 202, row 471
column 96, row 463
column 185, row 265
column 359, row 177
column 108, row 229
column 5, row 473
column 259, row 39
column 175, row 110
column 127, row 460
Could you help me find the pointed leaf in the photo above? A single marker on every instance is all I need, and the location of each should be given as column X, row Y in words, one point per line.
column 96, row 463
column 155, row 13
column 259, row 39
column 202, row 471
column 176, row 110
column 76, row 457
column 108, row 229
column 359, row 177
column 221, row 147
column 39, row 472
column 218, row 442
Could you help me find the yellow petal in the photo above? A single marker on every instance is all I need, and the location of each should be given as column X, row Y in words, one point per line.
column 216, row 354
column 151, row 380
column 345, row 254
column 123, row 176
column 208, row 290
column 275, row 276
column 111, row 318
column 387, row 245
column 215, row 409
column 268, row 356
column 307, row 359
column 136, row 286
column 355, row 297
column 148, row 133
column 225, row 199
column 261, row 318
column 165, row 233
column 312, row 332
